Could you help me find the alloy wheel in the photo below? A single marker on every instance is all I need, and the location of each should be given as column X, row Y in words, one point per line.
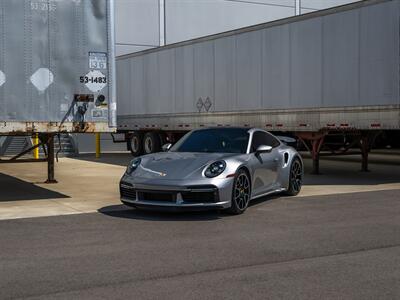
column 296, row 176
column 242, row 191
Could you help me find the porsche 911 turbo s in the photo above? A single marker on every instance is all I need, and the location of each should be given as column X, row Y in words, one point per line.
column 213, row 168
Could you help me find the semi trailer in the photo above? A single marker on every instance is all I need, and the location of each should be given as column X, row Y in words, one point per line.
column 329, row 78
column 57, row 70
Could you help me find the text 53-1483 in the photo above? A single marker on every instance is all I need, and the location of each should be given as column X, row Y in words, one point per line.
column 91, row 79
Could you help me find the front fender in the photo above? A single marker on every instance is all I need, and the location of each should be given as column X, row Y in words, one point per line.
column 284, row 171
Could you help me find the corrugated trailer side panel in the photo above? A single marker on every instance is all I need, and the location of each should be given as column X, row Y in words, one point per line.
column 348, row 58
column 379, row 54
column 49, row 52
column 184, row 79
column 341, row 62
column 225, row 74
column 276, row 64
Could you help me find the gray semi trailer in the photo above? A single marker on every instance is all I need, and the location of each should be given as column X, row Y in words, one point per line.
column 57, row 69
column 331, row 73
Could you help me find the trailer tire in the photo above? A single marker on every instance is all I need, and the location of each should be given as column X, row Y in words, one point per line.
column 151, row 143
column 135, row 143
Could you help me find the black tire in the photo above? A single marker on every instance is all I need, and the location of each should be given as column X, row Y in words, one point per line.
column 135, row 143
column 241, row 193
column 151, row 143
column 295, row 177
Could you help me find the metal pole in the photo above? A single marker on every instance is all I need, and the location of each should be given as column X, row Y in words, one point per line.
column 364, row 145
column 50, row 159
column 297, row 7
column 315, row 156
column 98, row 145
column 162, row 22
column 112, row 102
column 35, row 143
column 165, row 22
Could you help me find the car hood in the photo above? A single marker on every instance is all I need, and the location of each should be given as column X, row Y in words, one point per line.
column 175, row 165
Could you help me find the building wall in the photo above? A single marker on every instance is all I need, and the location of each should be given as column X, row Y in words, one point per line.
column 140, row 23
column 137, row 25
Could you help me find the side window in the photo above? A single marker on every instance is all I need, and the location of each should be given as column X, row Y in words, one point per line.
column 272, row 141
column 263, row 138
column 257, row 141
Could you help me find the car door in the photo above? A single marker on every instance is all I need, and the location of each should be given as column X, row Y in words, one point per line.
column 264, row 165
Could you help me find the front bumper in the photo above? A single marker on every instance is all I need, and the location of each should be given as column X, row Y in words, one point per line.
column 170, row 195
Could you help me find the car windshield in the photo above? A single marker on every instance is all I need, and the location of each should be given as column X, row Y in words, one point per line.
column 219, row 140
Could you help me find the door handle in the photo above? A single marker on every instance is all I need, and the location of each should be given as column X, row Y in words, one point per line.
column 276, row 159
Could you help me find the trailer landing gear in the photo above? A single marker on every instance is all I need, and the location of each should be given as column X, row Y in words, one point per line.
column 45, row 140
column 314, row 141
column 50, row 159
column 367, row 139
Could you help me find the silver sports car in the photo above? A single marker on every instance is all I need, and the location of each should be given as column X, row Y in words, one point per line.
column 221, row 168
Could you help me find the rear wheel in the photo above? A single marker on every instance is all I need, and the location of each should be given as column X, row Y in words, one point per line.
column 151, row 143
column 135, row 144
column 295, row 178
column 241, row 193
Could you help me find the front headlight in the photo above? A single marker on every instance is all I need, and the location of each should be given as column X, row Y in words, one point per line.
column 132, row 166
column 215, row 169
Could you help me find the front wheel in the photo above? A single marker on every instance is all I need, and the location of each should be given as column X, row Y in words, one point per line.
column 295, row 178
column 241, row 193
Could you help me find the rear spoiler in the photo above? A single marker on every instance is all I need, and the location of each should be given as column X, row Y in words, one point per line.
column 286, row 139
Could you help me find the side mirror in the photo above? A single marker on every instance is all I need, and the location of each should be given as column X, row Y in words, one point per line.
column 263, row 149
column 166, row 147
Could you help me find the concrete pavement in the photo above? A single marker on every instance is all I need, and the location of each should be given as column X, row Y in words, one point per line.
column 322, row 247
column 82, row 187
column 87, row 184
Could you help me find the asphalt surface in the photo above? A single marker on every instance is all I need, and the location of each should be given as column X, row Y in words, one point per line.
column 323, row 247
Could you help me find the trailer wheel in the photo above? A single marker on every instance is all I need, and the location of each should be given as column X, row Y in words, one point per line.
column 151, row 143
column 135, row 144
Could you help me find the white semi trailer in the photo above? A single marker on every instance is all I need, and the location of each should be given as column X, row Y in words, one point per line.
column 331, row 72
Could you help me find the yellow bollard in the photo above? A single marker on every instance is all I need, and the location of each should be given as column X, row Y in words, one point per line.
column 98, row 145
column 35, row 143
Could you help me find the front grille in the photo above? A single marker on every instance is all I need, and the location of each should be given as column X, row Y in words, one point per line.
column 195, row 194
column 200, row 196
column 157, row 196
column 127, row 193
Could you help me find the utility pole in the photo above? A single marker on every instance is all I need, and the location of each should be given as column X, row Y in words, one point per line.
column 297, row 4
column 162, row 22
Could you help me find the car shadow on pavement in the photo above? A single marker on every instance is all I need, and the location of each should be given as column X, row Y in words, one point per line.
column 122, row 211
column 265, row 199
column 14, row 189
